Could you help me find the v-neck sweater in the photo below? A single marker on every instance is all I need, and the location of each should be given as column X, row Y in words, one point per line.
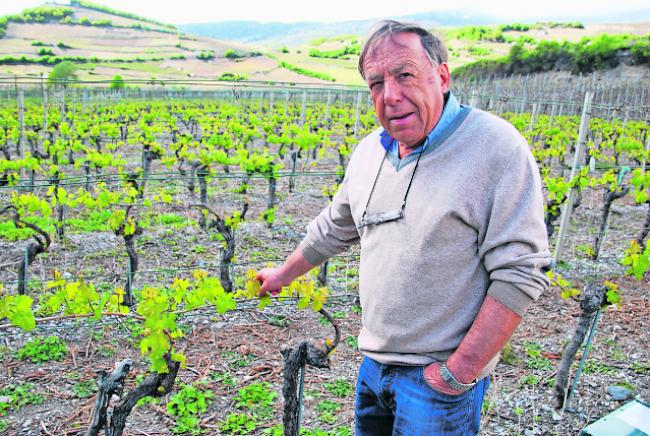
column 473, row 226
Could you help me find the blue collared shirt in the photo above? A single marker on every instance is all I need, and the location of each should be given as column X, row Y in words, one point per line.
column 449, row 120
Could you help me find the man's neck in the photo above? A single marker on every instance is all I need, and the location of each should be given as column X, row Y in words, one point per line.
column 405, row 150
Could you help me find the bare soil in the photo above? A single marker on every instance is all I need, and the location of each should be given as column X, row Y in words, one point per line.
column 246, row 343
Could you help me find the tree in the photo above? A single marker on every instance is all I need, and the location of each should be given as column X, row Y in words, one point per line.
column 205, row 55
column 62, row 73
column 117, row 83
column 231, row 54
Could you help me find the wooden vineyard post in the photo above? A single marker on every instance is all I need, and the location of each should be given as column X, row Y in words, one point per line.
column 327, row 106
column 553, row 108
column 286, row 101
column 356, row 116
column 21, row 120
column 22, row 284
column 560, row 109
column 473, row 102
column 63, row 104
column 522, row 106
column 532, row 116
column 524, row 90
column 21, row 117
column 74, row 102
column 646, row 149
column 44, row 91
column 239, row 97
column 568, row 205
column 645, row 154
column 304, row 108
column 294, row 163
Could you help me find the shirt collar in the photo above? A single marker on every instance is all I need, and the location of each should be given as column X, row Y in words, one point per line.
column 449, row 113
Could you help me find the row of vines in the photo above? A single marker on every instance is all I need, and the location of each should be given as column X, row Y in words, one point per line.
column 137, row 170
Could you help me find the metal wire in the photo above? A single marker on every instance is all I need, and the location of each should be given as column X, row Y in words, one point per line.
column 209, row 268
column 583, row 360
column 164, row 178
column 342, row 299
column 265, row 84
column 173, row 178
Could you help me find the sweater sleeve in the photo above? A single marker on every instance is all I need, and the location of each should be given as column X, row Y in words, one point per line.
column 332, row 231
column 515, row 245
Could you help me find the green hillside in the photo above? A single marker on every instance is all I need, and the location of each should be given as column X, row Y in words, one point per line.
column 103, row 43
column 500, row 50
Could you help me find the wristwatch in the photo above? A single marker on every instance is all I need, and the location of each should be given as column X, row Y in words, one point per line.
column 452, row 381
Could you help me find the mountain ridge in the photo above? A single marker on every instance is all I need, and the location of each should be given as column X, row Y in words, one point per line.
column 298, row 33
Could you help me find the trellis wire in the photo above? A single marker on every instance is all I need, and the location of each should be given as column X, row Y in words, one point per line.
column 167, row 178
column 283, row 302
column 583, row 360
column 518, row 92
column 301, row 388
column 172, row 177
column 537, row 105
column 215, row 267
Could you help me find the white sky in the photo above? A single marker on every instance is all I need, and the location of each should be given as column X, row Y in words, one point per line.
column 196, row 11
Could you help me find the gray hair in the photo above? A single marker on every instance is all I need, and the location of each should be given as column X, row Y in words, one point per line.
column 433, row 46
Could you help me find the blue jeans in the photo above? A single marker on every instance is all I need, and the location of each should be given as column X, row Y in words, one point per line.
column 397, row 400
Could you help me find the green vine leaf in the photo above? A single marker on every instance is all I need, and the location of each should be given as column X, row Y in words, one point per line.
column 18, row 309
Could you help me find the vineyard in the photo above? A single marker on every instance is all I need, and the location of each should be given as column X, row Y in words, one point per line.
column 132, row 223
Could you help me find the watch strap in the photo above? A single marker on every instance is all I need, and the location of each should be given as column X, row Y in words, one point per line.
column 452, row 381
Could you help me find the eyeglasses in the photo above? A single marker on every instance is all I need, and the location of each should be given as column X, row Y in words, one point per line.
column 375, row 219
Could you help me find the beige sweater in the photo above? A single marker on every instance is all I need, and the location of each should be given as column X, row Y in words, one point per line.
column 473, row 226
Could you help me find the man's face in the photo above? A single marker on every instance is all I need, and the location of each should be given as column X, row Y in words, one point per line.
column 407, row 90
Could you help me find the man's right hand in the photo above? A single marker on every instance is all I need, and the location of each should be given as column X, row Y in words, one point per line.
column 272, row 281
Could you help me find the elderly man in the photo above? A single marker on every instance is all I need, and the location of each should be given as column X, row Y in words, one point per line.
column 446, row 203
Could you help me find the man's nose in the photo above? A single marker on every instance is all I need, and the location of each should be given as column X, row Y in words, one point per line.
column 392, row 91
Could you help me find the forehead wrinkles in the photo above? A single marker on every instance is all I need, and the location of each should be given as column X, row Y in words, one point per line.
column 390, row 55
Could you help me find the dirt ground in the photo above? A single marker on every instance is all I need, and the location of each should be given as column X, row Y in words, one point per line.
column 245, row 344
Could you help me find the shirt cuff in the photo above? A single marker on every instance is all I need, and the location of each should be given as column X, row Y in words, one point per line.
column 510, row 296
column 312, row 255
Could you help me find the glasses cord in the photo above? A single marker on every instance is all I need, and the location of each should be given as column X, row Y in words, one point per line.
column 374, row 184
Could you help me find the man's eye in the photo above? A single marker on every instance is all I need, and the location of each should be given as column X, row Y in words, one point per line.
column 406, row 75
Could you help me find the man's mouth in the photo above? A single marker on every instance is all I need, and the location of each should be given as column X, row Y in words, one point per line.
column 400, row 117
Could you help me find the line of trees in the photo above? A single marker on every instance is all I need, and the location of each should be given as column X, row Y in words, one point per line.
column 54, row 60
column 496, row 33
column 65, row 15
column 101, row 8
column 343, row 53
column 306, row 72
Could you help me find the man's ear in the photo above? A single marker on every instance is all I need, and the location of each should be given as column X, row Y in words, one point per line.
column 445, row 77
